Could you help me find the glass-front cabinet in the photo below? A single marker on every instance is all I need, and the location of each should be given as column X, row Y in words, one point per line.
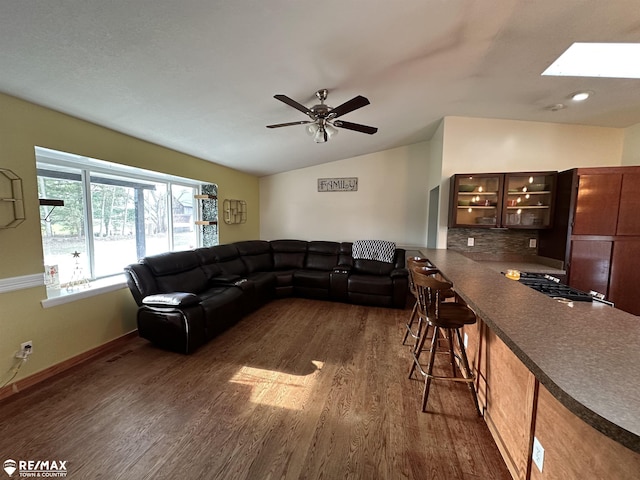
column 503, row 200
column 476, row 200
column 528, row 199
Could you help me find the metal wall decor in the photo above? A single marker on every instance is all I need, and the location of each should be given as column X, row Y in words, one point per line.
column 235, row 211
column 345, row 184
column 11, row 202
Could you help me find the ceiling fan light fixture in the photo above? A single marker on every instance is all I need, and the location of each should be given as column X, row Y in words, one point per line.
column 321, row 135
column 323, row 120
column 312, row 129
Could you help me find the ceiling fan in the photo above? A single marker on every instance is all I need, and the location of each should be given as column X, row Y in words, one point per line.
column 324, row 119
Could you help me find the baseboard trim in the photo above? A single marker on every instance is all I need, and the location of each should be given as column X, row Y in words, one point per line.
column 54, row 370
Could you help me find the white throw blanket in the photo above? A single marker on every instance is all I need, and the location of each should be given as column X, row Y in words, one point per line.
column 380, row 250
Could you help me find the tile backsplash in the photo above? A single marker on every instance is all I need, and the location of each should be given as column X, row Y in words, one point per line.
column 492, row 242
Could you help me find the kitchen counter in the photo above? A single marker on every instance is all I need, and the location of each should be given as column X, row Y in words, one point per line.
column 503, row 266
column 587, row 355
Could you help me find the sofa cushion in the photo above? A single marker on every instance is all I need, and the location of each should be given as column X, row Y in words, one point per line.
column 171, row 262
column 322, row 255
column 228, row 259
column 288, row 254
column 177, row 272
column 256, row 255
column 206, row 257
column 370, row 284
column 312, row 279
column 372, row 267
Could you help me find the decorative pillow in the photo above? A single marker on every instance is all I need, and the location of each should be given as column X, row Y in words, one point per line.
column 379, row 250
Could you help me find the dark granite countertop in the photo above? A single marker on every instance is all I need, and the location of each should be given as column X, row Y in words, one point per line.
column 587, row 355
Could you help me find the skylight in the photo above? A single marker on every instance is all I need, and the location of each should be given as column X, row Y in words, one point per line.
column 609, row 60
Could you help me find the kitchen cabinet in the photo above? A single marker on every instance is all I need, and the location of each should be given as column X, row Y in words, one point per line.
column 522, row 200
column 590, row 265
column 476, row 200
column 625, row 275
column 597, row 204
column 628, row 216
column 528, row 200
column 597, row 232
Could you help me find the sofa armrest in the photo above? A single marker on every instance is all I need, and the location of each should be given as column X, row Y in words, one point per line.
column 173, row 299
column 399, row 273
column 225, row 280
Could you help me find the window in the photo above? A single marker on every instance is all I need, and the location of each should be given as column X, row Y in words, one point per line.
column 112, row 216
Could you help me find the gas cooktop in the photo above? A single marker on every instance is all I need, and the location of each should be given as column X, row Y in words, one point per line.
column 551, row 286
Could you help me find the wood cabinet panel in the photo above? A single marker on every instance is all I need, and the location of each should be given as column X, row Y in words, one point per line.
column 629, row 214
column 511, row 392
column 573, row 449
column 590, row 264
column 597, row 204
column 474, row 336
column 625, row 275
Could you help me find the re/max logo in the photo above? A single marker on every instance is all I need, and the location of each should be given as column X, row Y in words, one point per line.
column 41, row 465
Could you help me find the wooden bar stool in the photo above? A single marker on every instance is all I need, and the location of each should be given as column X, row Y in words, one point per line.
column 413, row 262
column 447, row 320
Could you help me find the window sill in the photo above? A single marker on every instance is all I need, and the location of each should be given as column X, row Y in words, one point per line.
column 97, row 287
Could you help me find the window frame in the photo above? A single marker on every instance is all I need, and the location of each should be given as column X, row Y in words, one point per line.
column 48, row 159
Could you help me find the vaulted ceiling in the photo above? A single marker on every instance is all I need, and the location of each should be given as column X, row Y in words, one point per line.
column 199, row 76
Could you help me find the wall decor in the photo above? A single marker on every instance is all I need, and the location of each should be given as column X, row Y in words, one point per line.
column 235, row 211
column 11, row 204
column 345, row 184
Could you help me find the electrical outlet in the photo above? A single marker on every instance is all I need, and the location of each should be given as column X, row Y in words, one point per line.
column 466, row 340
column 533, row 243
column 26, row 349
column 470, row 242
column 538, row 454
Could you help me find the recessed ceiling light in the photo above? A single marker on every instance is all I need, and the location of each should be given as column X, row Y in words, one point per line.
column 581, row 96
column 611, row 60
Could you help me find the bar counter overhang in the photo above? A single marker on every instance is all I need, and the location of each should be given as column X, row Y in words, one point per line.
column 587, row 355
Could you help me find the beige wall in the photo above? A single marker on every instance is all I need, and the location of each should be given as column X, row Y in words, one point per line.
column 631, row 150
column 390, row 204
column 477, row 145
column 64, row 331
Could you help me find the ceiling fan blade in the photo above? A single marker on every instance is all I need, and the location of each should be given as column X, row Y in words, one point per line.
column 293, row 103
column 278, row 125
column 349, row 106
column 355, row 126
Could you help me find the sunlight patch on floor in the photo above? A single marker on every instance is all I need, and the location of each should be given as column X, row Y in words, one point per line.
column 278, row 389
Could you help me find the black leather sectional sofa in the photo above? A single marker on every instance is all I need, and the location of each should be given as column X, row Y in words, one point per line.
column 186, row 298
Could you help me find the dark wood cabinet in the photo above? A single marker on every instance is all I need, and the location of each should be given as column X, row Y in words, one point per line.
column 597, row 204
column 476, row 200
column 528, row 199
column 590, row 265
column 522, row 200
column 629, row 214
column 597, row 232
column 625, row 275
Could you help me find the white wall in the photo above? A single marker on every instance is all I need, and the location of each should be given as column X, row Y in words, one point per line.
column 477, row 145
column 631, row 150
column 390, row 204
column 436, row 180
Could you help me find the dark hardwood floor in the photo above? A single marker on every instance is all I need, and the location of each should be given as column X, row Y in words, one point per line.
column 299, row 389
